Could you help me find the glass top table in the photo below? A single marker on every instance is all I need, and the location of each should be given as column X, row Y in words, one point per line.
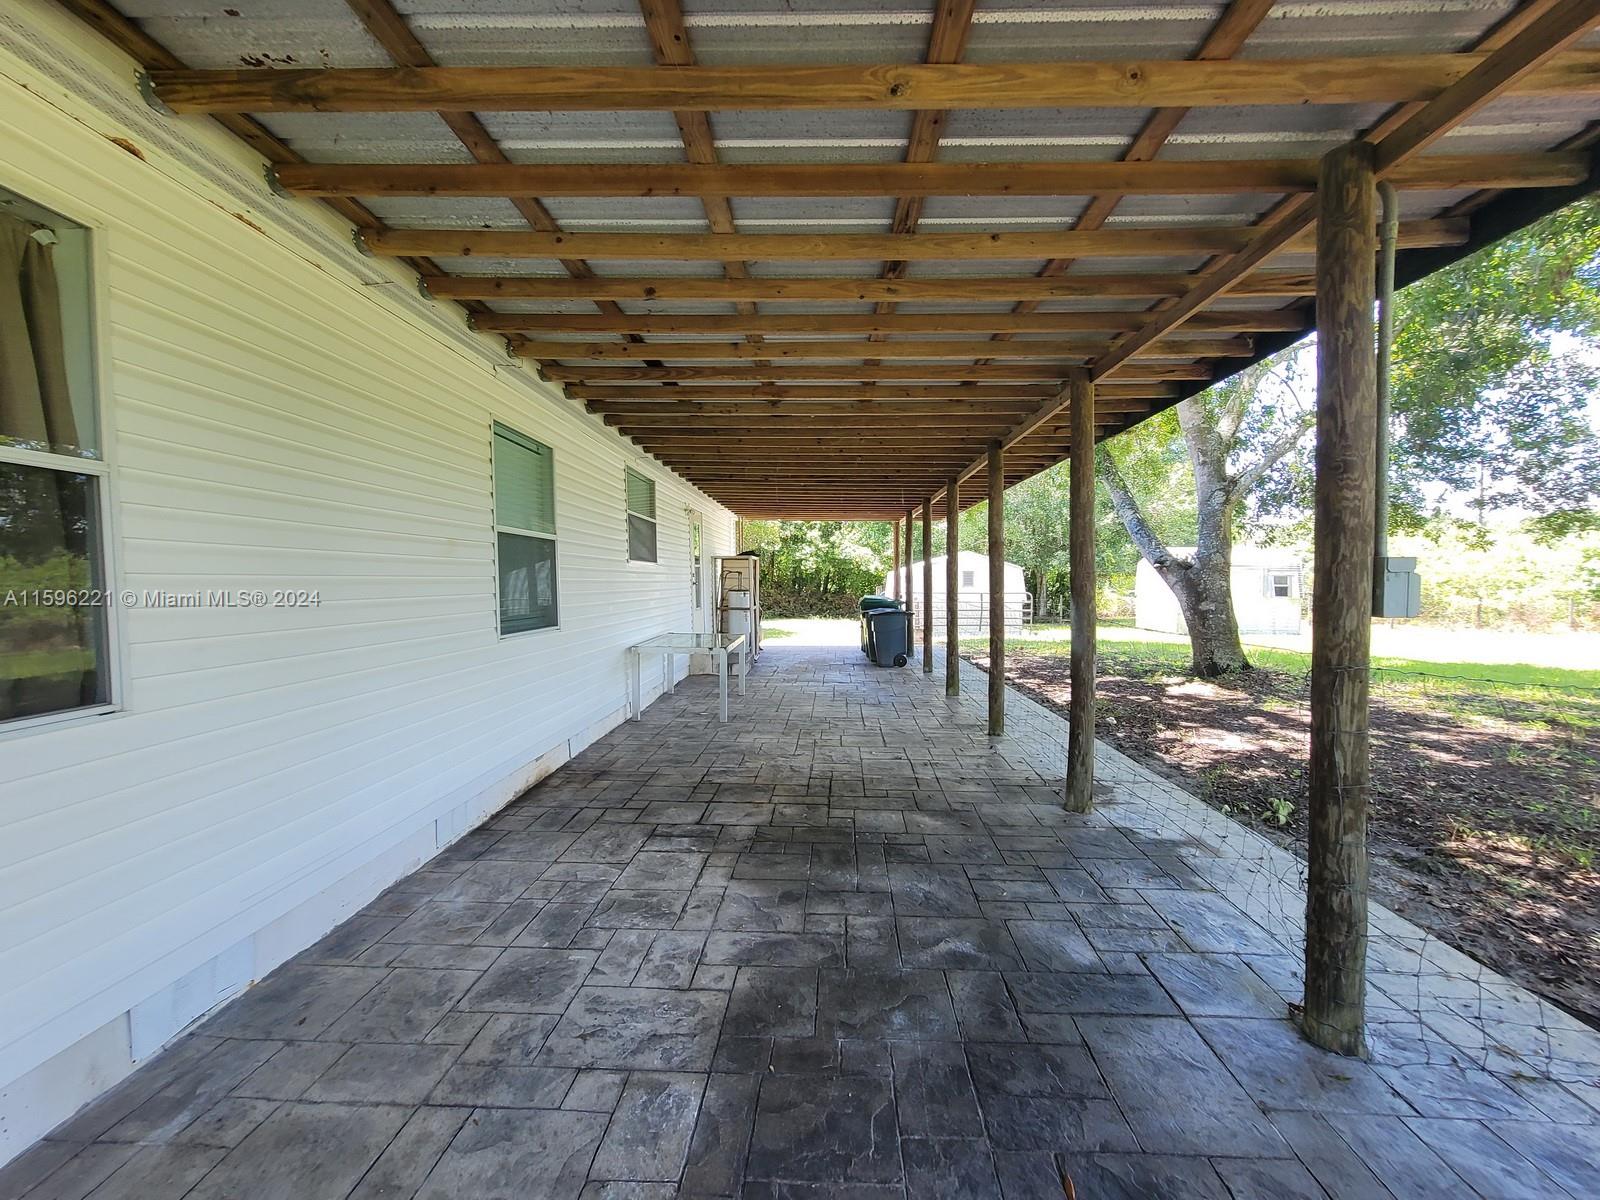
column 669, row 646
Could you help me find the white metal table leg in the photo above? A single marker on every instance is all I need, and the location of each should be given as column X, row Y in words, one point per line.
column 744, row 666
column 668, row 661
column 635, row 698
column 722, row 681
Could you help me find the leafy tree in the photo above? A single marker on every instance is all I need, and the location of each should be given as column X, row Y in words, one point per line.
column 1233, row 435
column 815, row 567
column 1490, row 386
column 1489, row 389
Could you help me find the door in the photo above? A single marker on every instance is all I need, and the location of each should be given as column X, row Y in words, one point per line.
column 697, row 573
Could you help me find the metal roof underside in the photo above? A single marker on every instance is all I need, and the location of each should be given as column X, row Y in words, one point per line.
column 781, row 466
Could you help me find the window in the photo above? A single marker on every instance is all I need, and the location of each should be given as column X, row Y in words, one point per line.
column 53, row 630
column 967, row 579
column 641, row 494
column 1280, row 584
column 525, row 531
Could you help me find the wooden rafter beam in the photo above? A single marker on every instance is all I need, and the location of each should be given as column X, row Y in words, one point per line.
column 947, row 42
column 1204, row 177
column 689, row 412
column 782, row 324
column 1226, row 38
column 905, row 87
column 1538, row 42
column 1023, row 396
column 936, row 372
column 1120, row 285
column 919, row 247
column 1194, row 347
column 826, row 421
column 389, row 29
column 669, row 41
column 851, row 247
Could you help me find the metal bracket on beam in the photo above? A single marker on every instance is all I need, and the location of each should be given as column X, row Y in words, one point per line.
column 147, row 89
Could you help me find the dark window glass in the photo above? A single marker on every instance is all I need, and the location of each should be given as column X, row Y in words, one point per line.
column 52, row 622
column 641, row 539
column 527, row 583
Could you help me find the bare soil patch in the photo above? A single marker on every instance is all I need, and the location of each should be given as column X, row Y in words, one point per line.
column 1485, row 817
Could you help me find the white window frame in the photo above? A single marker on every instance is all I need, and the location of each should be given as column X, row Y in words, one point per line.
column 1288, row 578
column 969, row 579
column 494, row 512
column 52, row 204
column 655, row 521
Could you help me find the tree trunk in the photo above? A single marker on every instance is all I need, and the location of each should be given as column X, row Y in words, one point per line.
column 1202, row 586
column 1205, row 597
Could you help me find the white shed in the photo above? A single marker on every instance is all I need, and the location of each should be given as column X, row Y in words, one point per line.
column 1266, row 593
column 972, row 592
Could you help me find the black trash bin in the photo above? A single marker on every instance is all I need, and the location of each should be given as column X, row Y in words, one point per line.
column 888, row 636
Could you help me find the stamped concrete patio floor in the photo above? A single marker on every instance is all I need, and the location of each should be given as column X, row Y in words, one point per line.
column 844, row 946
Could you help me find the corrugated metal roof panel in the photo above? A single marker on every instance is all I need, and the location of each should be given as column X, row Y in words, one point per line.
column 753, row 32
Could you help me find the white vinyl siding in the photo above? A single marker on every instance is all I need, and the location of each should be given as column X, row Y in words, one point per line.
column 280, row 413
column 641, row 504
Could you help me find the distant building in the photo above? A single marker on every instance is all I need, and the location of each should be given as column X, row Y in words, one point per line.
column 1266, row 593
column 972, row 593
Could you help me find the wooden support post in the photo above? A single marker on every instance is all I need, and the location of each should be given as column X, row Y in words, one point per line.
column 1341, row 607
column 894, row 580
column 911, row 625
column 927, row 586
column 952, row 577
column 1080, row 737
column 997, row 591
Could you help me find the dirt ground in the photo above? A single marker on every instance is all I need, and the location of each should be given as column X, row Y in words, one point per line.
column 1485, row 817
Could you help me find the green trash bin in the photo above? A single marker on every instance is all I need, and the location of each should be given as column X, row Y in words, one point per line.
column 873, row 604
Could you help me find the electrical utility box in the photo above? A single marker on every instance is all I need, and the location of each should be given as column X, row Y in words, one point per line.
column 1396, row 588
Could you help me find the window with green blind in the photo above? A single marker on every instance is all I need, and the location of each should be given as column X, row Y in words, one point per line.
column 525, row 531
column 641, row 492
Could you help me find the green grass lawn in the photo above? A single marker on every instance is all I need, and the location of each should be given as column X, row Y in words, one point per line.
column 1118, row 642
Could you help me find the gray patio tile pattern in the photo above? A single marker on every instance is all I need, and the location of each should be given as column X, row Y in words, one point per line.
column 845, row 946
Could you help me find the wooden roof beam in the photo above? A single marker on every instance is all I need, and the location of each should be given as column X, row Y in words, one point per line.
column 1537, row 43
column 1368, row 79
column 938, row 372
column 844, row 247
column 1196, row 347
column 390, row 30
column 1118, row 285
column 786, row 324
column 915, row 179
column 669, row 40
column 1022, row 396
column 715, row 414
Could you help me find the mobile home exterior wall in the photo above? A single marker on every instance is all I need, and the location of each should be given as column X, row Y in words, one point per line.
column 278, row 413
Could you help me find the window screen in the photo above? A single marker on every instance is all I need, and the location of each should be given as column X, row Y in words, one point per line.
column 525, row 528
column 641, row 493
